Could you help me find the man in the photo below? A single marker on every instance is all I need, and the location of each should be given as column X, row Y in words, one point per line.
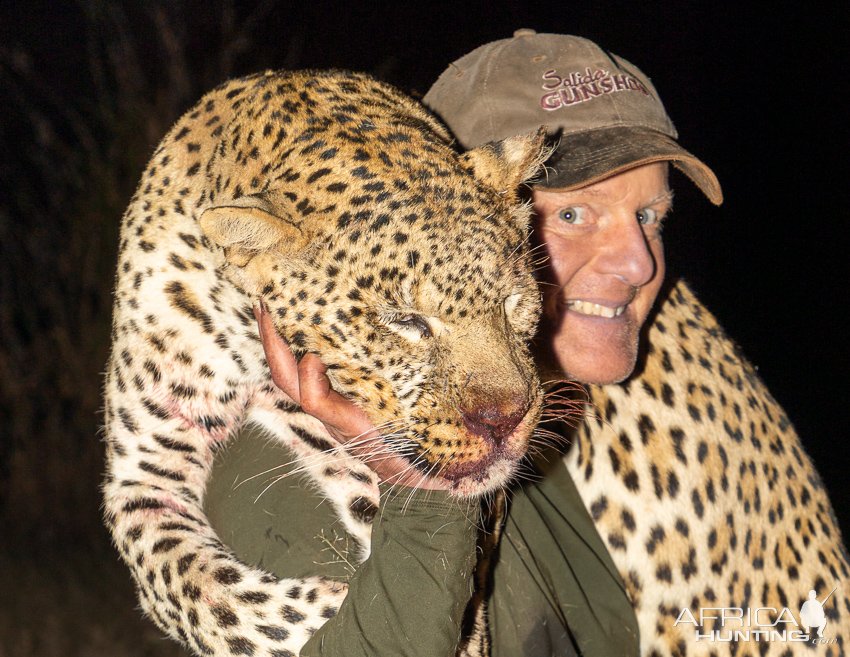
column 599, row 213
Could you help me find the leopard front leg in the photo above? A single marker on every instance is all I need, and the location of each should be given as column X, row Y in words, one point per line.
column 188, row 582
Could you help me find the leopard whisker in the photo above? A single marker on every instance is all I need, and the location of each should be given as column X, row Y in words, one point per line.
column 305, row 462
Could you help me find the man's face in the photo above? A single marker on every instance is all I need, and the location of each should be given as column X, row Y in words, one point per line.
column 605, row 267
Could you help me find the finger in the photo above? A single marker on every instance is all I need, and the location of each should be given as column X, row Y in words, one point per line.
column 281, row 361
column 327, row 405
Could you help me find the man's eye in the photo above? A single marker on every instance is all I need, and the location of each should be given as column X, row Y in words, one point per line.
column 647, row 217
column 572, row 215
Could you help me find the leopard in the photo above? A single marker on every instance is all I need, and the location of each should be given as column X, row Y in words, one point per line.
column 346, row 208
column 706, row 500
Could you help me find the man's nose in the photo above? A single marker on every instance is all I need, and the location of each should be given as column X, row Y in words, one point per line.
column 625, row 253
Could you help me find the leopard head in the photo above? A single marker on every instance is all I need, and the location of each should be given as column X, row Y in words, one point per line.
column 413, row 284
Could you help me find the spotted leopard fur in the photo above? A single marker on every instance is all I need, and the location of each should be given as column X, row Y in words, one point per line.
column 703, row 494
column 342, row 204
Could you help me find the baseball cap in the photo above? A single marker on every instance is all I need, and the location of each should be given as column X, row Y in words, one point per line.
column 605, row 110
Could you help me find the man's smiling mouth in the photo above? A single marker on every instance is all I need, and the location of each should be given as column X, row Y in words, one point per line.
column 594, row 309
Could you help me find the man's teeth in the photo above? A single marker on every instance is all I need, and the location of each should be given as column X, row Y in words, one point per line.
column 587, row 308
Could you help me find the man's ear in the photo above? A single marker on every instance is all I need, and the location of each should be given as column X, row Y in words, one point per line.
column 252, row 225
column 506, row 164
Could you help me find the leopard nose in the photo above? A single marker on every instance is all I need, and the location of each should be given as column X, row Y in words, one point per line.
column 492, row 422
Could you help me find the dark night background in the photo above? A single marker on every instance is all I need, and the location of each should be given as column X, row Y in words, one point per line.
column 88, row 88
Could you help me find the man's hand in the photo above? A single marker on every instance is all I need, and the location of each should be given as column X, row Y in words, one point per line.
column 307, row 384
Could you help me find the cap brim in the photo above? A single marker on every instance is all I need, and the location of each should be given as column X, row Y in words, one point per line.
column 585, row 158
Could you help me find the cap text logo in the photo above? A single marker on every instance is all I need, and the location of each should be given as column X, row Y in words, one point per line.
column 581, row 86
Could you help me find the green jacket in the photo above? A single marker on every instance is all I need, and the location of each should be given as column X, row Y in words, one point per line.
column 555, row 591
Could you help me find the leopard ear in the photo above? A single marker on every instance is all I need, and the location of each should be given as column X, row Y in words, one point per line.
column 255, row 224
column 505, row 164
column 251, row 229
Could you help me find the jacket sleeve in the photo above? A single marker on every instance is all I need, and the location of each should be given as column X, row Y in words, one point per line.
column 408, row 598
